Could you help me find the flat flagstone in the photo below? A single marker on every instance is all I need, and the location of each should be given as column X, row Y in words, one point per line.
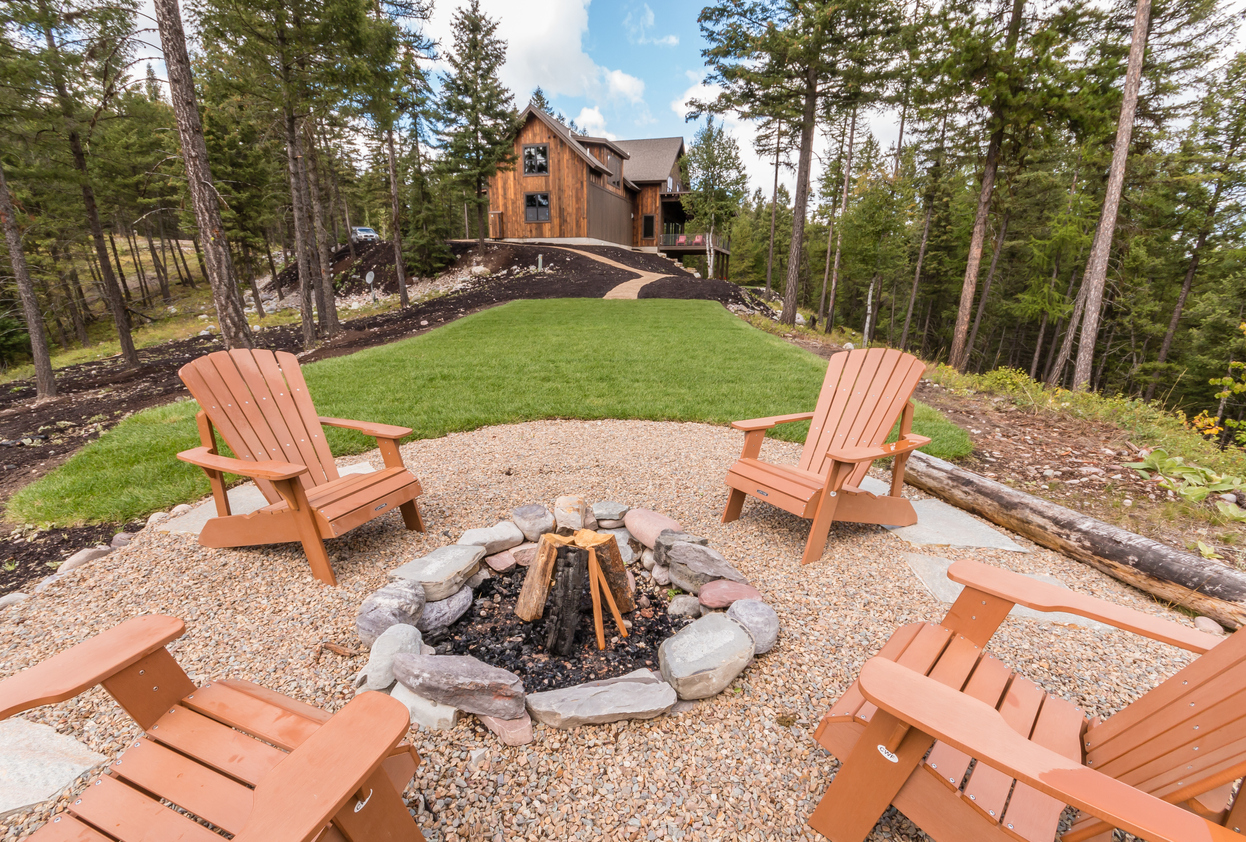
column 932, row 572
column 941, row 525
column 36, row 763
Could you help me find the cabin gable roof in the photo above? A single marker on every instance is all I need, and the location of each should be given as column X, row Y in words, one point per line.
column 651, row 159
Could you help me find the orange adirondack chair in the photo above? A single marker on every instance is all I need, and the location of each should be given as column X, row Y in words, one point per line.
column 230, row 753
column 864, row 392
column 258, row 401
column 1162, row 769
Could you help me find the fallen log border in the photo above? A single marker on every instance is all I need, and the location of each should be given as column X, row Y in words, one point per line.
column 1202, row 585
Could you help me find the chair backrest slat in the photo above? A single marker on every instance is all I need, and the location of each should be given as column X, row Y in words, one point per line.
column 862, row 396
column 1189, row 729
column 258, row 402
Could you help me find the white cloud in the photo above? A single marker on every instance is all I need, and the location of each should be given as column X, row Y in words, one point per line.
column 590, row 120
column 545, row 47
column 638, row 25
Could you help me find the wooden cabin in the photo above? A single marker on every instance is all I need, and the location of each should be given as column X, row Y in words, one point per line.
column 580, row 190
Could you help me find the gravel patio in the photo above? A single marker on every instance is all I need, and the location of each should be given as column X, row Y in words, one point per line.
column 742, row 765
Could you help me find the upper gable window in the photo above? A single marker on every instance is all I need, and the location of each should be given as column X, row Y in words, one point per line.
column 536, row 159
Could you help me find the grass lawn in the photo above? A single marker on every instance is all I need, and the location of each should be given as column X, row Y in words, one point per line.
column 654, row 359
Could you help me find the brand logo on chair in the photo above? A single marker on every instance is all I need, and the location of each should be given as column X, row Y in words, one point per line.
column 882, row 749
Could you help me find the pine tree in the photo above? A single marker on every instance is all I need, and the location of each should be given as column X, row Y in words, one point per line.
column 716, row 180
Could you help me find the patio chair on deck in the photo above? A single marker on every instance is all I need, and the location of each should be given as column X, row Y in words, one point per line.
column 249, row 761
column 932, row 700
column 864, row 392
column 258, row 401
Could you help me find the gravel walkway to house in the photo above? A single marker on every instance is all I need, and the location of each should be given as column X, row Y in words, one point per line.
column 720, row 769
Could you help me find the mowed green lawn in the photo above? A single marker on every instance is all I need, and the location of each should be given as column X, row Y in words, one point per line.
column 654, row 359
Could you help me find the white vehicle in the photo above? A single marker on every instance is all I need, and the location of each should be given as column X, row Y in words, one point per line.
column 364, row 235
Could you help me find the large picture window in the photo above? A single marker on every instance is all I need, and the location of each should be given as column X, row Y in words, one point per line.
column 536, row 159
column 536, row 207
column 647, row 230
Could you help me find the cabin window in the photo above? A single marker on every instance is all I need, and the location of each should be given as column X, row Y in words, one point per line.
column 536, row 159
column 648, row 227
column 536, row 207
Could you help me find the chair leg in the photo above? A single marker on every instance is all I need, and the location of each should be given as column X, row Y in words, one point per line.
column 309, row 534
column 735, row 503
column 411, row 516
column 382, row 818
column 820, row 529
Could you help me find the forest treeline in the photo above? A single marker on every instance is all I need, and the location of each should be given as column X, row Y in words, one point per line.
column 1065, row 196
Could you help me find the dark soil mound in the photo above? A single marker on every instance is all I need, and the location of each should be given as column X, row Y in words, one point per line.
column 703, row 288
column 642, row 260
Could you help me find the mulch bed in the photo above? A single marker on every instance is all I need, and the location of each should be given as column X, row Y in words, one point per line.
column 37, row 559
column 643, row 260
column 699, row 288
column 492, row 633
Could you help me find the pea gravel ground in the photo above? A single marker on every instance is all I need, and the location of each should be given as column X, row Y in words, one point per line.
column 740, row 766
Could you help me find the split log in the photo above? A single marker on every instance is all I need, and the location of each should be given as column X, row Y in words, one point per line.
column 531, row 603
column 611, row 561
column 1206, row 586
column 570, row 571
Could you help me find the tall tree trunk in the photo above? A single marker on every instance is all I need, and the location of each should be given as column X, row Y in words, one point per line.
column 45, row 381
column 294, row 154
column 181, row 254
column 255, row 287
column 272, row 267
column 986, row 287
column 315, row 183
column 959, row 356
column 1066, row 347
column 867, row 334
column 235, row 332
column 125, row 287
column 830, row 235
column 808, row 122
column 162, row 274
column 396, row 219
column 480, row 215
column 165, row 251
column 62, row 337
column 774, row 206
column 75, row 314
column 839, row 234
column 1097, row 265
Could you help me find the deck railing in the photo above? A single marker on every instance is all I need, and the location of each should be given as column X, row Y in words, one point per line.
column 697, row 241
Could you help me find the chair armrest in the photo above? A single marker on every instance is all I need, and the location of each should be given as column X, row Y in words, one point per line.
column 767, row 423
column 88, row 663
column 271, row 469
column 311, row 784
column 981, row 732
column 378, row 431
column 1042, row 596
column 869, row 454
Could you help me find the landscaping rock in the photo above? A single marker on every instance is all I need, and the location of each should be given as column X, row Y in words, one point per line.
column 534, row 520
column 693, row 565
column 398, row 602
column 155, row 517
column 1207, row 624
column 570, row 514
column 684, row 606
column 438, row 616
column 396, row 640
column 720, row 593
column 443, row 571
column 501, row 536
column 179, row 510
column 705, row 656
column 121, row 539
column 645, row 525
column 512, row 732
column 36, row 763
column 631, row 582
column 609, row 524
column 638, row 695
column 669, row 538
column 425, row 712
column 501, row 562
column 465, row 682
column 43, row 584
column 479, row 578
column 524, row 554
column 661, row 575
column 609, row 510
column 82, row 557
column 13, row 598
column 647, row 560
column 759, row 620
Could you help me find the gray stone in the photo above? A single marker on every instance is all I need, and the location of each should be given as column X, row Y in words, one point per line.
column 941, row 525
column 179, row 510
column 82, row 557
column 609, row 524
column 609, row 510
column 396, row 640
column 534, row 520
column 438, row 616
column 36, row 763
column 662, row 575
column 121, row 539
column 759, row 620
column 501, row 536
column 479, row 578
column 443, row 571
column 425, row 712
column 43, row 584
column 646, row 525
column 512, row 732
column 1207, row 624
column 156, row 517
column 684, row 606
column 693, row 565
column 668, row 537
column 570, row 514
column 623, row 538
column 13, row 599
column 631, row 583
column 398, row 602
column 464, row 682
column 637, row 695
column 705, row 656
column 647, row 559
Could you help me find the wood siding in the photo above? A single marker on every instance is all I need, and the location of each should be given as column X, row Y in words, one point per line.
column 647, row 201
column 566, row 185
column 609, row 216
column 612, row 160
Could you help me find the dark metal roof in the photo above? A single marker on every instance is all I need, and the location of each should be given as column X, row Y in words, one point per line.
column 651, row 159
